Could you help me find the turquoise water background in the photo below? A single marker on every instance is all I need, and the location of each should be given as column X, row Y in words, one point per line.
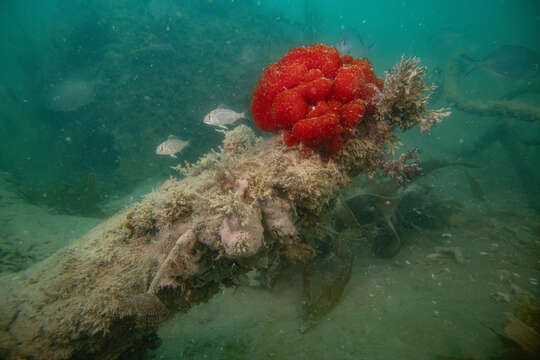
column 218, row 49
column 88, row 89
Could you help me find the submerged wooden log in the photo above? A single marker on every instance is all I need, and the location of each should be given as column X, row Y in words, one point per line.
column 523, row 335
column 505, row 107
column 235, row 210
column 503, row 131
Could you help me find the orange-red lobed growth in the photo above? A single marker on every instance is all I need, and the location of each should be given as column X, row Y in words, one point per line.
column 315, row 96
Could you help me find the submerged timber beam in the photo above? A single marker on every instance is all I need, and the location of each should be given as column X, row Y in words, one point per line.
column 235, row 210
column 503, row 108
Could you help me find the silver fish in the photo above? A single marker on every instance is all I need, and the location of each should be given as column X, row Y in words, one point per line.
column 352, row 43
column 171, row 146
column 221, row 117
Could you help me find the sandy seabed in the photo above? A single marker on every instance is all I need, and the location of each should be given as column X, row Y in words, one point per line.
column 416, row 305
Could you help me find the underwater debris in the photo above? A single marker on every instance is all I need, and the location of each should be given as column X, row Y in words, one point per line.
column 402, row 170
column 343, row 213
column 158, row 210
column 324, row 283
column 247, row 206
column 407, row 206
column 278, row 220
column 394, row 107
column 242, row 237
column 239, row 141
column 454, row 252
column 380, row 207
column 372, row 208
column 511, row 61
column 391, row 187
column 147, row 310
column 180, row 264
column 505, row 134
column 523, row 335
column 206, row 162
column 428, row 166
column 500, row 108
column 297, row 252
column 530, row 87
column 528, row 309
column 387, row 207
column 476, row 189
column 501, row 297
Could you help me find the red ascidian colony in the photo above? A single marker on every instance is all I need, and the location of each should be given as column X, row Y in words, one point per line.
column 315, row 97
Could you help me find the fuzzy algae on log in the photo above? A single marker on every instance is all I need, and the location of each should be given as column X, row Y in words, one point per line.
column 241, row 208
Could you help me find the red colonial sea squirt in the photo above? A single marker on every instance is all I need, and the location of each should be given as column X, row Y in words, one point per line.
column 288, row 107
column 315, row 96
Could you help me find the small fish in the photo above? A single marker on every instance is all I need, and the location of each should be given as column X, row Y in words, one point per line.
column 510, row 61
column 171, row 146
column 221, row 117
column 352, row 43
